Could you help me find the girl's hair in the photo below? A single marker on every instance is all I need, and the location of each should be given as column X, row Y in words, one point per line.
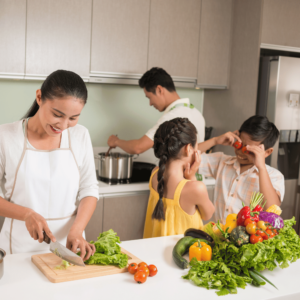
column 60, row 84
column 169, row 139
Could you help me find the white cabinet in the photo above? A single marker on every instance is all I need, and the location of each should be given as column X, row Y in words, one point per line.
column 125, row 213
column 215, row 43
column 280, row 25
column 58, row 37
column 94, row 227
column 174, row 36
column 120, row 36
column 12, row 38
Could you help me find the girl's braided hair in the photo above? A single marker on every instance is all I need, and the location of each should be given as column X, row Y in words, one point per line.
column 169, row 139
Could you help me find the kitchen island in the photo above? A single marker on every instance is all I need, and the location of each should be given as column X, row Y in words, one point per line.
column 23, row 280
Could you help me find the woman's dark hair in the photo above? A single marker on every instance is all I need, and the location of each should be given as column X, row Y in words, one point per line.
column 261, row 130
column 60, row 84
column 154, row 77
column 169, row 139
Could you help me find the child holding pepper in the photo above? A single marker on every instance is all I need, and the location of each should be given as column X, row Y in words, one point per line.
column 237, row 177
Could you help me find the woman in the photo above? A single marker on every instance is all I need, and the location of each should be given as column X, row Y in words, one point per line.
column 46, row 165
column 175, row 203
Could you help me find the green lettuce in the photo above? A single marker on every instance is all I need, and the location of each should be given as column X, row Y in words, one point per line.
column 108, row 252
column 229, row 267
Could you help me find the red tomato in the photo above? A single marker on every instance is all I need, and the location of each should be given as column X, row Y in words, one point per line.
column 266, row 237
column 255, row 239
column 152, row 270
column 249, row 221
column 132, row 268
column 140, row 277
column 261, row 233
column 144, row 269
column 244, row 150
column 142, row 264
column 270, row 233
column 275, row 231
column 251, row 228
column 268, row 225
column 237, row 145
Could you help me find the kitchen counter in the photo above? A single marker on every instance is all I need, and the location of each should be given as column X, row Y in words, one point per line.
column 105, row 188
column 23, row 280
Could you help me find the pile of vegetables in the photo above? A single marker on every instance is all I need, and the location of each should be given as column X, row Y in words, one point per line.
column 232, row 266
column 249, row 242
column 108, row 252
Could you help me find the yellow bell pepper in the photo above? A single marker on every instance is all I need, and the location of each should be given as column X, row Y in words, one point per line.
column 201, row 251
column 231, row 222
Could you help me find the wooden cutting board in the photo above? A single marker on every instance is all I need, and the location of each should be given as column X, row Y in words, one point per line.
column 47, row 263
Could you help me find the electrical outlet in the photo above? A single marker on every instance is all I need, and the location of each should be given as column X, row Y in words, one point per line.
column 293, row 100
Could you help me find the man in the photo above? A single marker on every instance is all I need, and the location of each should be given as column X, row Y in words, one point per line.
column 160, row 90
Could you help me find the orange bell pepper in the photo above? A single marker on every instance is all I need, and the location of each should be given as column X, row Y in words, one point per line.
column 201, row 251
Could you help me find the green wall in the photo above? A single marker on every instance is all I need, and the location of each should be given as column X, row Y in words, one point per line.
column 110, row 109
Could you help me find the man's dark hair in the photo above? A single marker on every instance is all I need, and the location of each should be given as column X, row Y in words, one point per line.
column 154, row 77
column 261, row 130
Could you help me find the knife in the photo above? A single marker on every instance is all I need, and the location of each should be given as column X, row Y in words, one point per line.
column 61, row 251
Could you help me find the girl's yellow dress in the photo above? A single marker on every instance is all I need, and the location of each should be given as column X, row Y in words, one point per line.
column 177, row 221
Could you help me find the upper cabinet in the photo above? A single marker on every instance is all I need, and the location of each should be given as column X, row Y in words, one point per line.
column 281, row 24
column 215, row 43
column 12, row 38
column 174, row 36
column 116, row 41
column 120, row 32
column 58, row 37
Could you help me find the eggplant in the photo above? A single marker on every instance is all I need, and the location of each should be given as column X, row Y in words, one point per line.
column 199, row 234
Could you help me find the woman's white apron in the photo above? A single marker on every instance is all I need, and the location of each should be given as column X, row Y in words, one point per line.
column 47, row 182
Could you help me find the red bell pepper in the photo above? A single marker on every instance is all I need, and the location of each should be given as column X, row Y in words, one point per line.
column 246, row 213
column 258, row 208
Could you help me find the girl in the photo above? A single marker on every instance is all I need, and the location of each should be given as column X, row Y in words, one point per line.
column 46, row 165
column 176, row 204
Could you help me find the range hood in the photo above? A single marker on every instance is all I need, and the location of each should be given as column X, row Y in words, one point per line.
column 133, row 79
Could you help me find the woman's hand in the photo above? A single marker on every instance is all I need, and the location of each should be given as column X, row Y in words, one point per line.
column 228, row 138
column 36, row 225
column 191, row 170
column 75, row 241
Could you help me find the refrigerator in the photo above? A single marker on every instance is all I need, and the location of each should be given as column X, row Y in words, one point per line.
column 278, row 98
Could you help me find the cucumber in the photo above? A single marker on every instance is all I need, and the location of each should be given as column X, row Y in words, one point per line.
column 181, row 247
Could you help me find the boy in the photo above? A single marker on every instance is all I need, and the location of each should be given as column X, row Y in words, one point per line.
column 237, row 177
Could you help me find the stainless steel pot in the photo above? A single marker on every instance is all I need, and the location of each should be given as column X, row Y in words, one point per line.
column 115, row 166
column 2, row 255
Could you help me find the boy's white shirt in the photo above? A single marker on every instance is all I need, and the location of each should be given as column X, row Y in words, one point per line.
column 233, row 188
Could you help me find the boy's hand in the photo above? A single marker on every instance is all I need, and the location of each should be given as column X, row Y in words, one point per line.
column 257, row 156
column 228, row 138
column 190, row 170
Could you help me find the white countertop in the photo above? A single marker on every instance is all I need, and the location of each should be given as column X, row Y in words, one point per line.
column 23, row 280
column 147, row 156
column 105, row 188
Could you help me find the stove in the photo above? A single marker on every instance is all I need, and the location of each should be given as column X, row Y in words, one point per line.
column 120, row 181
column 141, row 173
